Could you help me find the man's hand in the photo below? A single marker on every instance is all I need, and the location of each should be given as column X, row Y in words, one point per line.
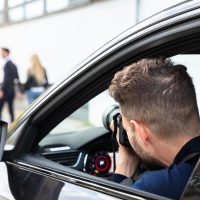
column 128, row 160
column 1, row 94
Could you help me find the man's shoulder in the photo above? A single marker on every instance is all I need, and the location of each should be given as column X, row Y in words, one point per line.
column 175, row 171
column 10, row 63
column 10, row 66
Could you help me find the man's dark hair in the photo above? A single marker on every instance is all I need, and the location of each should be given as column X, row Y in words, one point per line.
column 158, row 93
column 6, row 50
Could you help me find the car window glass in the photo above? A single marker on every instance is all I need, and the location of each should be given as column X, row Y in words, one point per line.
column 192, row 62
column 87, row 116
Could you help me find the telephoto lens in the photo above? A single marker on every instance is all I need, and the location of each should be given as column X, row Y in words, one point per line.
column 108, row 114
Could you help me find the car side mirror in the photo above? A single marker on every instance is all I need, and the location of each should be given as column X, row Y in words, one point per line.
column 3, row 135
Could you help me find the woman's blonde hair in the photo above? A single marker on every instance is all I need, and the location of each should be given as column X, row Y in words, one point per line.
column 36, row 69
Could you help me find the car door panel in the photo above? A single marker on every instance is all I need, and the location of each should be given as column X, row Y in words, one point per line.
column 40, row 187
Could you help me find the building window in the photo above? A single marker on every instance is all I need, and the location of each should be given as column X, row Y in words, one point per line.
column 34, row 9
column 12, row 11
column 1, row 18
column 14, row 3
column 16, row 14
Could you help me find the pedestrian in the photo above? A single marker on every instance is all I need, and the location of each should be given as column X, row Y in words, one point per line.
column 37, row 80
column 10, row 79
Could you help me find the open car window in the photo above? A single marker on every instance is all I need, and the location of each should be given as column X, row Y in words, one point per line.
column 77, row 133
column 90, row 114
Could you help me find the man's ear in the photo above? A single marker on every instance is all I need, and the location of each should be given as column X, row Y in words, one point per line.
column 141, row 130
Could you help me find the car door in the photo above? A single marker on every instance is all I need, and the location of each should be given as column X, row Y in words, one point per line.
column 34, row 177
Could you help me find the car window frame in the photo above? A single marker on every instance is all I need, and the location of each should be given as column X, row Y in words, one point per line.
column 191, row 190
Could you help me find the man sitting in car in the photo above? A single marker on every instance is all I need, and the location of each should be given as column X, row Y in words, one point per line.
column 160, row 115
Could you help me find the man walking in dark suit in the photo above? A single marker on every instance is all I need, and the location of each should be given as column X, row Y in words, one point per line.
column 10, row 78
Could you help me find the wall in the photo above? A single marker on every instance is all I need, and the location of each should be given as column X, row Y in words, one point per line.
column 63, row 40
column 149, row 8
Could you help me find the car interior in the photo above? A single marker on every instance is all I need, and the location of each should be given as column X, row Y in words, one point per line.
column 80, row 141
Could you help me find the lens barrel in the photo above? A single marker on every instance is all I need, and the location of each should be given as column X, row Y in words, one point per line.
column 108, row 114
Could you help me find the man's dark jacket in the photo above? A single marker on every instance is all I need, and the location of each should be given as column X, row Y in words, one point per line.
column 10, row 78
column 169, row 182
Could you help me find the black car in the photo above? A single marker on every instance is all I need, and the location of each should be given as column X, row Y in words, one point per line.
column 59, row 149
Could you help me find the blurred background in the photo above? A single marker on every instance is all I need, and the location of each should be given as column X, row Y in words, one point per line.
column 64, row 32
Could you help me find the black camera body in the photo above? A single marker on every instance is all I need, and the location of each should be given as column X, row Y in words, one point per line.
column 112, row 114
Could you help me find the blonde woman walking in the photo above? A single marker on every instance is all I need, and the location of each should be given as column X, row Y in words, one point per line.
column 36, row 79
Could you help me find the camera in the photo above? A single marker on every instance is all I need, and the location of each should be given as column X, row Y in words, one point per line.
column 112, row 114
